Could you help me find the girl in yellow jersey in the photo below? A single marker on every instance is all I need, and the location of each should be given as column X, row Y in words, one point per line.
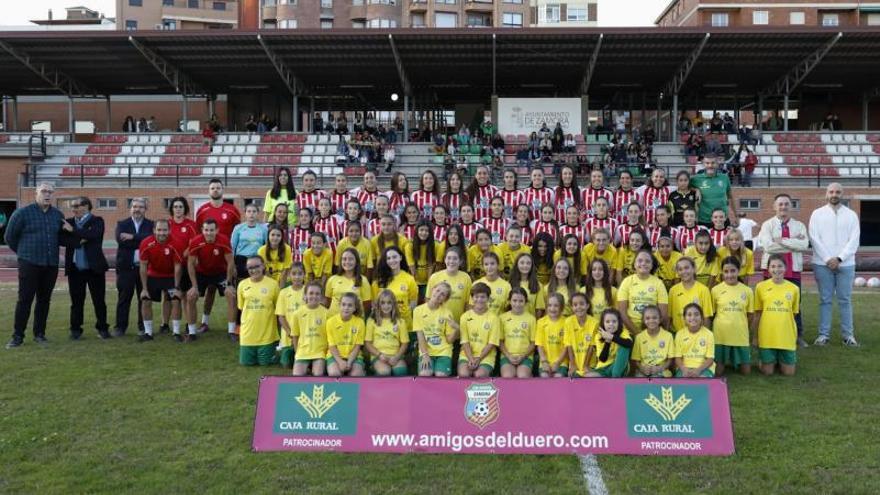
column 354, row 238
column 392, row 274
column 562, row 282
column 256, row 297
column 276, row 255
column 579, row 330
column 480, row 334
column 345, row 337
column 525, row 276
column 290, row 299
column 654, row 348
column 734, row 309
column 421, row 256
column 705, row 258
column 688, row 291
column 459, row 281
column 387, row 337
column 600, row 292
column 318, row 259
column 436, row 332
column 499, row 288
column 610, row 348
column 694, row 346
column 777, row 301
column 517, row 337
column 600, row 246
column 571, row 250
column 475, row 253
column 550, row 338
column 349, row 279
column 510, row 250
column 639, row 290
column 626, row 256
column 308, row 329
column 542, row 255
column 667, row 257
column 735, row 246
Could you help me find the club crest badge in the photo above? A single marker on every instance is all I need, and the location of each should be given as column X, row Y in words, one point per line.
column 482, row 407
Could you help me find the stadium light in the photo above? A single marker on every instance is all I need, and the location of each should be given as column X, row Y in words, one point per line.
column 394, row 97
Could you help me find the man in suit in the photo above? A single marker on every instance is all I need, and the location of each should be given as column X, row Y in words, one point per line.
column 129, row 234
column 85, row 267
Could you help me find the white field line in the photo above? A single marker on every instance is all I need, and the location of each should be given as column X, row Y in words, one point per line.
column 592, row 475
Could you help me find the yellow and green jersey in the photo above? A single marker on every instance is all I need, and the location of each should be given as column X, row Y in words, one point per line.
column 695, row 347
column 518, row 332
column 778, row 304
column 434, row 324
column 480, row 330
column 733, row 305
column 256, row 301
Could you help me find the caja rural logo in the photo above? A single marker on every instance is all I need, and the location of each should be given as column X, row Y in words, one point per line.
column 482, row 407
column 674, row 411
column 317, row 409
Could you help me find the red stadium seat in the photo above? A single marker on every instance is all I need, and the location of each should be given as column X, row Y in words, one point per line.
column 4, row 138
column 299, row 138
column 69, row 171
column 358, row 171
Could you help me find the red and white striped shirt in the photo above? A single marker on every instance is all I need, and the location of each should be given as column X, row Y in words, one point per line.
column 576, row 230
column 425, row 201
column 299, row 242
column 621, row 235
column 330, row 227
column 345, row 223
column 373, row 228
column 657, row 232
column 453, row 203
column 589, row 195
column 527, row 234
column 594, row 223
column 512, row 199
column 469, row 232
column 497, row 227
column 408, row 230
column 338, row 201
column 687, row 235
column 622, row 199
column 482, row 200
column 367, row 199
column 536, row 198
column 718, row 236
column 309, row 199
column 564, row 199
column 440, row 233
column 539, row 226
column 652, row 197
column 397, row 202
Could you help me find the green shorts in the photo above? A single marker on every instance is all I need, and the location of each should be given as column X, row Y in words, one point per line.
column 605, row 371
column 487, row 367
column 563, row 370
column 773, row 356
column 441, row 364
column 330, row 360
column 707, row 373
column 525, row 362
column 399, row 370
column 731, row 355
column 286, row 354
column 253, row 355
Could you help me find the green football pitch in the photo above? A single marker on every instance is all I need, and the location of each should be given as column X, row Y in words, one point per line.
column 162, row 417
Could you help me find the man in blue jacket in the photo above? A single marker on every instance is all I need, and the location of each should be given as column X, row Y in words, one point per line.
column 129, row 234
column 85, row 267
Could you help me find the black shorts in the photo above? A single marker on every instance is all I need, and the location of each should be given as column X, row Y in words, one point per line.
column 185, row 282
column 241, row 267
column 156, row 287
column 205, row 281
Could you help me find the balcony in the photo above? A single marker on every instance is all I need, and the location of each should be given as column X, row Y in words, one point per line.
column 418, row 5
column 479, row 6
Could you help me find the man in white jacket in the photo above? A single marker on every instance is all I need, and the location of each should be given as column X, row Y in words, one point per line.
column 784, row 235
column 834, row 233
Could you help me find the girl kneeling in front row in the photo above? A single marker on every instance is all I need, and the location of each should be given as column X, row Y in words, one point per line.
column 611, row 347
column 654, row 348
column 694, row 346
column 345, row 337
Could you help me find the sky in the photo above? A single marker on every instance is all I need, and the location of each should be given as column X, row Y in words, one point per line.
column 611, row 12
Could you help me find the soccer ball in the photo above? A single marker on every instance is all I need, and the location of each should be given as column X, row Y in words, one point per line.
column 481, row 410
column 874, row 282
column 859, row 282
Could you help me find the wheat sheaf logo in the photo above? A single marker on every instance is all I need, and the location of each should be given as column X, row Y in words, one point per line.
column 317, row 405
column 668, row 408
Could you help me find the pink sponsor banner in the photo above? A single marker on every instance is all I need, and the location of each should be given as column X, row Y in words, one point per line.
column 500, row 416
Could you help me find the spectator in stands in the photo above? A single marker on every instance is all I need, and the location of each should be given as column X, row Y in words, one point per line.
column 263, row 124
column 358, row 122
column 544, row 131
column 828, row 123
column 151, row 124
column 620, row 124
column 695, row 145
column 773, row 122
column 713, row 146
column 85, row 267
column 487, row 127
column 715, row 193
column 558, row 138
column 32, row 234
column 534, row 146
column 388, row 156
column 568, row 144
column 835, row 122
column 684, row 123
column 747, row 227
column 464, row 134
column 497, row 145
column 142, row 125
column 208, row 135
column 370, row 122
column 129, row 125
column 787, row 237
column 716, row 125
column 649, row 136
column 129, row 234
column 546, row 146
column 317, row 122
column 729, row 124
column 834, row 234
column 341, row 124
column 251, row 124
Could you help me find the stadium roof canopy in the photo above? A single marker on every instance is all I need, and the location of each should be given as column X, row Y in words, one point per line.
column 445, row 65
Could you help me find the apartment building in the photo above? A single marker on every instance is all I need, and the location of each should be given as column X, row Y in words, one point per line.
column 176, row 14
column 574, row 13
column 774, row 13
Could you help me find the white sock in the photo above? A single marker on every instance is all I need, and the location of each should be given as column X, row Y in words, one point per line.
column 175, row 327
column 205, row 318
column 148, row 327
column 192, row 328
column 231, row 327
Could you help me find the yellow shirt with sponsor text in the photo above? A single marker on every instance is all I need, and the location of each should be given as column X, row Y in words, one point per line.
column 733, row 305
column 434, row 324
column 695, row 347
column 518, row 332
column 480, row 330
column 256, row 301
column 778, row 303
